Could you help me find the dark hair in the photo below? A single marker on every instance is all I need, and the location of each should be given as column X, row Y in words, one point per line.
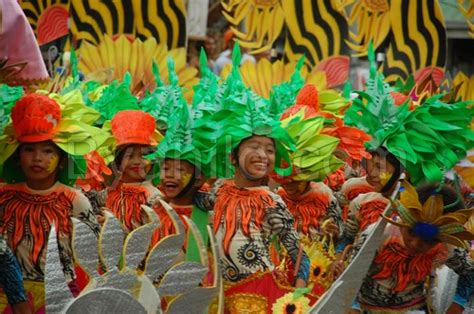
column 120, row 154
column 451, row 199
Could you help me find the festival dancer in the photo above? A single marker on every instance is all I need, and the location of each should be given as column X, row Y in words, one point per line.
column 135, row 138
column 40, row 160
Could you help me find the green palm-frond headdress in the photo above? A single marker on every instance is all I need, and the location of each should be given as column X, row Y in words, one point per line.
column 427, row 141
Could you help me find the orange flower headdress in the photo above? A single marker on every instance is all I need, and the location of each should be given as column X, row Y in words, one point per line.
column 428, row 220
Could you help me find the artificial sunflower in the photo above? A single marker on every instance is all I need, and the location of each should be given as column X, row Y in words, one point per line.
column 290, row 303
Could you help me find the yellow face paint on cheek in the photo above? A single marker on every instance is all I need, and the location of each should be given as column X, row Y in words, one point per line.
column 385, row 177
column 147, row 165
column 186, row 178
column 301, row 186
column 53, row 163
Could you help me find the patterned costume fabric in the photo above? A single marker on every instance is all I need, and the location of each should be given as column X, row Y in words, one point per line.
column 364, row 210
column 312, row 208
column 243, row 234
column 28, row 215
column 10, row 275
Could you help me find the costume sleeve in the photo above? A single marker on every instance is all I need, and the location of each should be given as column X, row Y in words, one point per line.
column 82, row 210
column 10, row 275
column 464, row 290
column 463, row 265
column 279, row 221
column 96, row 199
column 459, row 261
column 351, row 227
column 334, row 212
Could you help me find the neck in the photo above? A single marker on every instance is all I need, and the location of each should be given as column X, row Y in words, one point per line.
column 40, row 184
column 242, row 181
column 182, row 201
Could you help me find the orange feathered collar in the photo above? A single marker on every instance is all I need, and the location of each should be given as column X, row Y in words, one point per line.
column 307, row 209
column 403, row 268
column 236, row 208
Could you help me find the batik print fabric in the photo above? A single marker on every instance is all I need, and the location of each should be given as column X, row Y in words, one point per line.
column 10, row 276
column 244, row 221
column 27, row 218
column 364, row 210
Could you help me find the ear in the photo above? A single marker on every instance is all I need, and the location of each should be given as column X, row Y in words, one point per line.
column 233, row 161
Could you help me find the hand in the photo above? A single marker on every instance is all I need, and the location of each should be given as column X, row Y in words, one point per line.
column 100, row 218
column 330, row 228
column 300, row 283
column 336, row 269
column 455, row 308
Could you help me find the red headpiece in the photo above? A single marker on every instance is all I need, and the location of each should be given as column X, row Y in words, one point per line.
column 134, row 127
column 35, row 118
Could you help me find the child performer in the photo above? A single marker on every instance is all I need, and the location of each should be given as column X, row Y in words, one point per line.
column 135, row 136
column 427, row 232
column 40, row 158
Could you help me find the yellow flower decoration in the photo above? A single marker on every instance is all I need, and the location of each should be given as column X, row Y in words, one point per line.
column 429, row 217
column 289, row 304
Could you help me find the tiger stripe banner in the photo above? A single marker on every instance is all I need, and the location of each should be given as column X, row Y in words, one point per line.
column 417, row 43
column 318, row 29
column 48, row 18
column 164, row 20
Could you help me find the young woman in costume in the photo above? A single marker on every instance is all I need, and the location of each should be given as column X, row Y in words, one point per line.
column 246, row 213
column 40, row 159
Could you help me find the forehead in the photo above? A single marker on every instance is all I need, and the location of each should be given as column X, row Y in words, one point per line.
column 178, row 163
column 40, row 145
column 261, row 140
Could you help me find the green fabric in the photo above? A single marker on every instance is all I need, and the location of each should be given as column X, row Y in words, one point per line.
column 428, row 141
column 8, row 96
column 201, row 219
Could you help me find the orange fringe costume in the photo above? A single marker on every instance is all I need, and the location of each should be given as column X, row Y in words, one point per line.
column 166, row 224
column 310, row 209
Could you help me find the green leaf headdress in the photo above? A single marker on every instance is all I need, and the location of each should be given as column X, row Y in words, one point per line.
column 8, row 96
column 114, row 98
column 427, row 141
column 314, row 157
column 164, row 99
column 241, row 114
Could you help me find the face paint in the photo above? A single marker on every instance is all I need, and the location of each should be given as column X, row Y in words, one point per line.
column 385, row 177
column 147, row 165
column 302, row 186
column 53, row 163
column 186, row 178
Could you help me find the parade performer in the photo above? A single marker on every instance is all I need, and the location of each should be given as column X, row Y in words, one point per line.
column 426, row 232
column 135, row 137
column 246, row 213
column 403, row 140
column 41, row 156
